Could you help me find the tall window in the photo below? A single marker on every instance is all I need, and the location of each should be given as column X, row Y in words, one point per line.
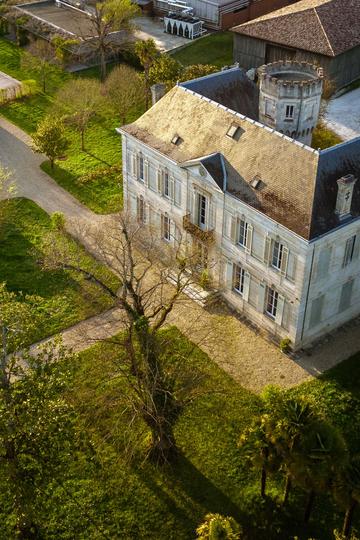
column 349, row 250
column 272, row 302
column 238, row 278
column 140, row 209
column 269, row 108
column 141, row 168
column 289, row 113
column 277, row 255
column 166, row 227
column 166, row 184
column 243, row 232
column 201, row 210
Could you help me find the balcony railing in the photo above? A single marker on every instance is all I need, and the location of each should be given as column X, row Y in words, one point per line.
column 207, row 237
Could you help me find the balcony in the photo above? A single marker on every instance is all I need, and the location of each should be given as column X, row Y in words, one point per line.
column 208, row 237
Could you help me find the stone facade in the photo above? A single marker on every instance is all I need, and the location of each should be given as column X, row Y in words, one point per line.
column 292, row 285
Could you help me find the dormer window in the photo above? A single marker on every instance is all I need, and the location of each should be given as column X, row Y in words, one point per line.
column 344, row 196
column 176, row 140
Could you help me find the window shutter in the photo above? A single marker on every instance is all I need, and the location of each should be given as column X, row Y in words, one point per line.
column 267, row 249
column 146, row 172
column 233, row 229
column 146, row 213
column 177, row 196
column 171, row 188
column 227, row 224
column 159, row 178
column 138, row 204
column 280, row 310
column 195, row 206
column 134, row 164
column 291, row 267
column 132, row 205
column 249, row 236
column 212, row 210
column 323, row 263
column 228, row 274
column 316, row 311
column 284, row 260
column 261, row 297
column 246, row 286
column 172, row 231
column 356, row 247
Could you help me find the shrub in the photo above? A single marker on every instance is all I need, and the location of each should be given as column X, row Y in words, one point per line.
column 285, row 345
column 57, row 221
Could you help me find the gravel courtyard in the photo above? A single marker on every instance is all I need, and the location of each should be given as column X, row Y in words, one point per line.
column 343, row 115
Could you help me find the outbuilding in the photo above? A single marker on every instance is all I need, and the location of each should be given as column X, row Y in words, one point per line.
column 322, row 32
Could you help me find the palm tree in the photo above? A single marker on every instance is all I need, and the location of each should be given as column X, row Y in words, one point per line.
column 147, row 52
column 347, row 491
column 259, row 450
column 316, row 459
column 218, row 527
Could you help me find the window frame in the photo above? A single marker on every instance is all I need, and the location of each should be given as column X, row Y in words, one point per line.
column 289, row 112
column 349, row 250
column 272, row 300
column 166, row 184
column 238, row 277
column 242, row 237
column 166, row 228
column 141, row 178
column 140, row 210
column 202, row 210
column 279, row 256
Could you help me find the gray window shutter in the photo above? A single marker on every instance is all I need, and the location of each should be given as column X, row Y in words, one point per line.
column 134, row 164
column 229, row 275
column 177, row 198
column 291, row 267
column 345, row 297
column 267, row 249
column 356, row 247
column 323, row 262
column 159, row 178
column 280, row 310
column 172, row 187
column 233, row 231
column 132, row 205
column 249, row 237
column 212, row 211
column 316, row 311
column 172, row 231
column 146, row 172
column 146, row 213
column 246, row 286
column 195, row 206
column 284, row 260
column 261, row 297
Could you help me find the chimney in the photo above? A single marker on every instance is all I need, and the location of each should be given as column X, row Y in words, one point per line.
column 344, row 195
column 157, row 92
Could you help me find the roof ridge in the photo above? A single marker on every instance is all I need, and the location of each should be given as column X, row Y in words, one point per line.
column 249, row 120
column 323, row 29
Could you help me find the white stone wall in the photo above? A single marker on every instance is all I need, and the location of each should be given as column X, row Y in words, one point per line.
column 307, row 275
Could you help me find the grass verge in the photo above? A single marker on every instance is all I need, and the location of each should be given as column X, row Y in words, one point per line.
column 69, row 296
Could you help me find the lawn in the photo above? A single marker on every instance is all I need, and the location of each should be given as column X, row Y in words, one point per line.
column 70, row 298
column 323, row 137
column 109, row 496
column 103, row 145
column 215, row 49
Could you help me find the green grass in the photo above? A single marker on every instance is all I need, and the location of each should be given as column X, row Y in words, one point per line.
column 215, row 49
column 103, row 145
column 70, row 297
column 131, row 500
column 323, row 137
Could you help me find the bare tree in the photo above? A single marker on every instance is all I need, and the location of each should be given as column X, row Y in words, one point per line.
column 124, row 90
column 107, row 18
column 78, row 101
column 40, row 58
column 159, row 381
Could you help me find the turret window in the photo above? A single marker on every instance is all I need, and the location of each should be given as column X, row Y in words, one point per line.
column 289, row 113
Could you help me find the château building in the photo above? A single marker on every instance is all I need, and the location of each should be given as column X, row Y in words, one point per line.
column 227, row 164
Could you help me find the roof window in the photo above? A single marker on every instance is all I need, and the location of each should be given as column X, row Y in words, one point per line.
column 176, row 140
column 233, row 131
column 255, row 182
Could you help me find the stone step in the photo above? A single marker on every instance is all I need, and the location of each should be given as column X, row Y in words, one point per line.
column 195, row 292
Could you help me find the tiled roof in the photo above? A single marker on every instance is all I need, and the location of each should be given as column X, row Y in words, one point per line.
column 328, row 27
column 287, row 168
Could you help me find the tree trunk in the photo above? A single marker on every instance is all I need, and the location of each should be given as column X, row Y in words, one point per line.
column 163, row 445
column 52, row 164
column 263, row 482
column 287, row 489
column 309, row 506
column 146, row 76
column 348, row 519
column 102, row 65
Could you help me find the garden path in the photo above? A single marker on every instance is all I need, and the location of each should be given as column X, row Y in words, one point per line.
column 240, row 350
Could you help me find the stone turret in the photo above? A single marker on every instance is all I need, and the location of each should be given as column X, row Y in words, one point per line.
column 290, row 97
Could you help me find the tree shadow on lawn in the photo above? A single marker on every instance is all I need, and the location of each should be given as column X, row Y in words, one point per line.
column 187, row 494
column 94, row 156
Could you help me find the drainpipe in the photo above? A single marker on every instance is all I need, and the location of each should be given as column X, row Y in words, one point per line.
column 307, row 293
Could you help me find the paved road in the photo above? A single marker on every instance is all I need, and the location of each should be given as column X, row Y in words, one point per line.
column 31, row 182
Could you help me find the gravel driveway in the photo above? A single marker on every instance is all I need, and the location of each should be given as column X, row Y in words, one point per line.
column 343, row 115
